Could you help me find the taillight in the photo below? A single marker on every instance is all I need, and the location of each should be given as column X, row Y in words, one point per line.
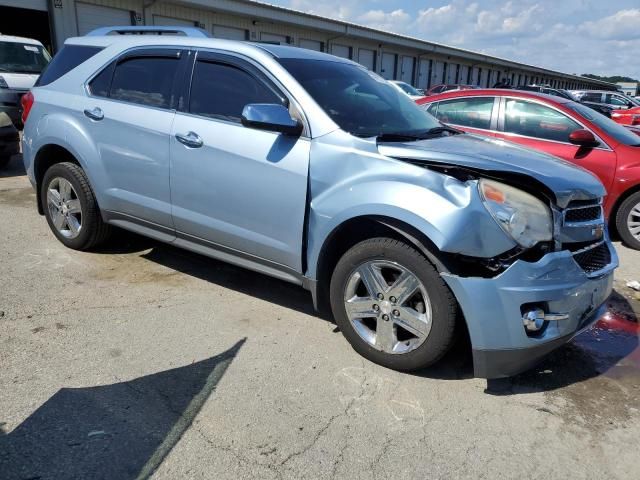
column 27, row 102
column 635, row 120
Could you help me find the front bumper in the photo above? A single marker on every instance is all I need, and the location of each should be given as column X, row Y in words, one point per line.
column 493, row 309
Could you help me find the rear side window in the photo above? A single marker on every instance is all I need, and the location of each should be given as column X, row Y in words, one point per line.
column 64, row 61
column 144, row 80
column 467, row 112
column 221, row 91
column 537, row 121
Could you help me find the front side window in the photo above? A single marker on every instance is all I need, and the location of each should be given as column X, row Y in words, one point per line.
column 592, row 97
column 615, row 130
column 221, row 91
column 467, row 112
column 18, row 57
column 615, row 100
column 537, row 121
column 146, row 80
column 359, row 101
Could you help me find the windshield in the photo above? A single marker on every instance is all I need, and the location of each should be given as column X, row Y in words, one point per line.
column 22, row 57
column 617, row 131
column 359, row 101
column 408, row 88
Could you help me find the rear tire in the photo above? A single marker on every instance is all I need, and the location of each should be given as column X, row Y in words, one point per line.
column 392, row 305
column 628, row 221
column 71, row 208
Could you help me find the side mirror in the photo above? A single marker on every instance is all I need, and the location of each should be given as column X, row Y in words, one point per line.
column 271, row 117
column 583, row 138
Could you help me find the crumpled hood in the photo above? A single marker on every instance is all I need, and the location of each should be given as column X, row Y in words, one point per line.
column 566, row 181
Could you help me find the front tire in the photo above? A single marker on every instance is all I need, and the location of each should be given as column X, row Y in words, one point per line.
column 71, row 208
column 392, row 305
column 628, row 221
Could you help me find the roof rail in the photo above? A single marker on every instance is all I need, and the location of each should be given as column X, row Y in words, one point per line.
column 130, row 30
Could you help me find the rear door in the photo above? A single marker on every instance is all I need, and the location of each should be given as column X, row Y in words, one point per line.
column 544, row 128
column 128, row 113
column 471, row 114
column 238, row 189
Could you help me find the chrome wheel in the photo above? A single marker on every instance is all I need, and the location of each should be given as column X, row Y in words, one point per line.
column 633, row 222
column 64, row 207
column 388, row 306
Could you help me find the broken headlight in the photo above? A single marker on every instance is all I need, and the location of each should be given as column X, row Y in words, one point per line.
column 521, row 215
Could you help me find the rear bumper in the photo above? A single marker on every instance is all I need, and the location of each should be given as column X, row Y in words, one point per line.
column 493, row 309
column 10, row 104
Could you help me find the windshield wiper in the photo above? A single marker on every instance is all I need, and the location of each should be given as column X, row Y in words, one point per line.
column 412, row 137
column 443, row 129
column 398, row 137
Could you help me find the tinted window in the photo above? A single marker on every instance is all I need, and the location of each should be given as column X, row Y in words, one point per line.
column 615, row 100
column 145, row 80
column 221, row 91
column 358, row 100
column 468, row 112
column 433, row 108
column 592, row 97
column 538, row 121
column 64, row 61
column 101, row 83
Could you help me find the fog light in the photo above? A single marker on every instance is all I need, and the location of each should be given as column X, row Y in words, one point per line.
column 533, row 320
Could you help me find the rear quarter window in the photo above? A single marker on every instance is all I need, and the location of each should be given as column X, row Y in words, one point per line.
column 64, row 61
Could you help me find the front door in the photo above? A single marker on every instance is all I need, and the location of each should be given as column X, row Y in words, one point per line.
column 234, row 188
column 544, row 128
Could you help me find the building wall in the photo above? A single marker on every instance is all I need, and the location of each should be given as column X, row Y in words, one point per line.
column 410, row 63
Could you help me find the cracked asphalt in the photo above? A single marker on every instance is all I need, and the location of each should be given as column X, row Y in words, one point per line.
column 142, row 361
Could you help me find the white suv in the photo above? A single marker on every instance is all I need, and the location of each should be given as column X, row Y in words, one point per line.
column 21, row 62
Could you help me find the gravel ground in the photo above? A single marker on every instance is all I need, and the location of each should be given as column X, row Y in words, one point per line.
column 143, row 360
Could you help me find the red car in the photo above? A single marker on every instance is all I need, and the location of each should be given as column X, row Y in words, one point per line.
column 630, row 116
column 559, row 127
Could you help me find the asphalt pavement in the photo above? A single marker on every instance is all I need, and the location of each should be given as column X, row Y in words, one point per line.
column 142, row 360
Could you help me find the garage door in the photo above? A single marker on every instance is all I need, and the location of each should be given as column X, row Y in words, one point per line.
column 230, row 33
column 438, row 74
column 388, row 67
column 172, row 22
column 406, row 70
column 424, row 68
column 273, row 38
column 341, row 51
column 367, row 58
column 311, row 45
column 91, row 17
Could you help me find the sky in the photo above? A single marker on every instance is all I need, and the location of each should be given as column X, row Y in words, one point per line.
column 571, row 36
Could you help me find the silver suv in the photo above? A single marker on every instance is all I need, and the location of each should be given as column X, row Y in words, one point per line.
column 311, row 169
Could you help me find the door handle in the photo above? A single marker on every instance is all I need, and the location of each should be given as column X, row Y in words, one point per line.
column 94, row 114
column 190, row 139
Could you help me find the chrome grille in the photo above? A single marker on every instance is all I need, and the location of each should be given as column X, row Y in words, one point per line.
column 583, row 211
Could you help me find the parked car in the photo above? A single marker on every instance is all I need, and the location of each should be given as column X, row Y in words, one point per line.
column 558, row 92
column 21, row 61
column 9, row 140
column 413, row 92
column 446, row 87
column 615, row 100
column 312, row 169
column 562, row 128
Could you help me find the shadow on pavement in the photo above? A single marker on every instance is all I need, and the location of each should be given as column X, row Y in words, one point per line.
column 123, row 430
column 591, row 354
column 235, row 278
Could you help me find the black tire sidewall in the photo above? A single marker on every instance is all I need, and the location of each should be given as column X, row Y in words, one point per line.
column 443, row 304
column 63, row 170
column 621, row 221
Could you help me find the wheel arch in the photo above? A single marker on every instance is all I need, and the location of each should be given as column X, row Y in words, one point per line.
column 47, row 156
column 359, row 228
column 612, row 223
